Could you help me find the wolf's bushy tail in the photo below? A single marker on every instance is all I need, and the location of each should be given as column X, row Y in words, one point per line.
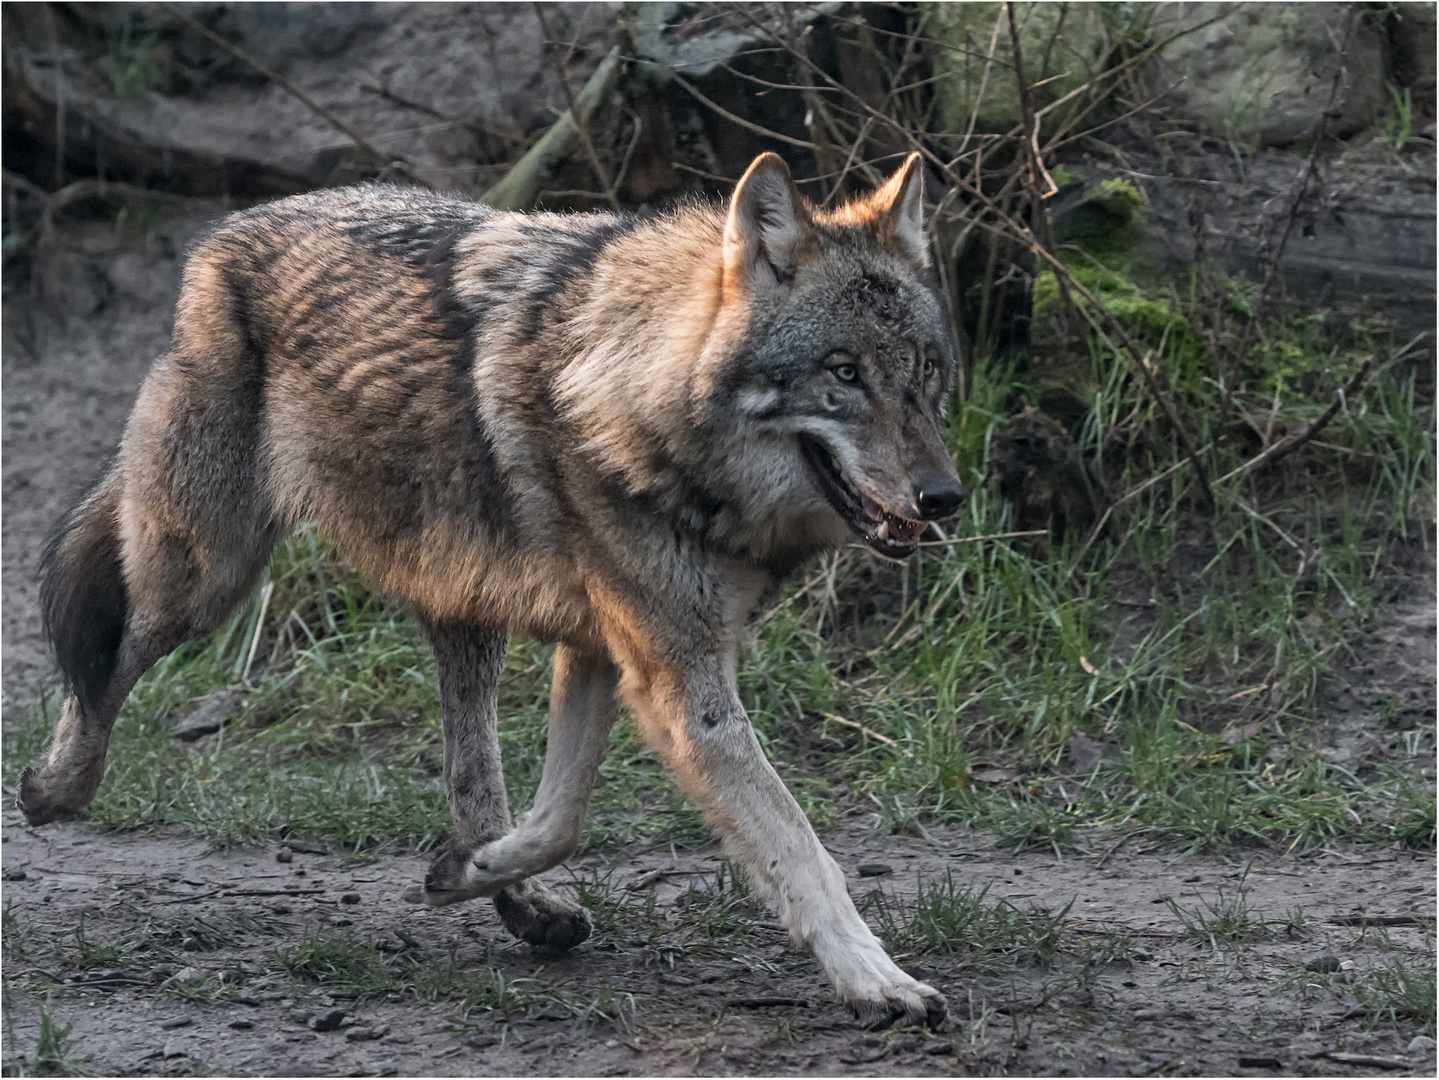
column 83, row 598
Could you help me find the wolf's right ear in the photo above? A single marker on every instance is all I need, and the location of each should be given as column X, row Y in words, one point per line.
column 768, row 223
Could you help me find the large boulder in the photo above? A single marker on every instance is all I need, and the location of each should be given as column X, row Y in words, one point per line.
column 1262, row 74
column 1062, row 45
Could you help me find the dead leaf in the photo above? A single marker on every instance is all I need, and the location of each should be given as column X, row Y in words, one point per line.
column 1084, row 752
column 1236, row 735
column 992, row 774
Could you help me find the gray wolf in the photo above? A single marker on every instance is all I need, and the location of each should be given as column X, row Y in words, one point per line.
column 612, row 432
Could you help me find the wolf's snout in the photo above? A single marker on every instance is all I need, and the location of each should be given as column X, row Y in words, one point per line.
column 938, row 497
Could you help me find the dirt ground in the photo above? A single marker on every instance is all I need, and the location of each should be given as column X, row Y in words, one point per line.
column 77, row 341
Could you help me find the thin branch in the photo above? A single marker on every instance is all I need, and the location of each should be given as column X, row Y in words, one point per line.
column 1285, row 447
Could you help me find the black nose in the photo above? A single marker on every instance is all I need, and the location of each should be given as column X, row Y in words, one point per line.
column 938, row 497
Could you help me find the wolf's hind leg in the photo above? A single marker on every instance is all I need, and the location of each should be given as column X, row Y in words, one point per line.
column 470, row 660
column 120, row 590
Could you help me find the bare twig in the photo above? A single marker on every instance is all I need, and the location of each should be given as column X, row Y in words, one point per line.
column 741, row 121
column 1285, row 447
column 868, row 731
column 520, row 184
column 582, row 120
column 1271, row 269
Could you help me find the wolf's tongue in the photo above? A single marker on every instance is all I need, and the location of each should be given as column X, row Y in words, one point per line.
column 872, row 509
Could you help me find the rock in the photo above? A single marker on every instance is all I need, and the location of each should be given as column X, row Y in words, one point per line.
column 186, row 976
column 285, row 854
column 214, row 711
column 350, row 898
column 190, row 944
column 1324, row 965
column 1065, row 44
column 873, row 869
column 242, row 1024
column 401, row 1039
column 173, row 1050
column 328, row 1021
column 939, row 1049
column 1084, row 753
column 1261, row 74
column 360, row 1034
column 1420, row 1044
column 1150, row 1014
column 176, row 1022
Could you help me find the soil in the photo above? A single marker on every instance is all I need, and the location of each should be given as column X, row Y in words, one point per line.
column 79, row 333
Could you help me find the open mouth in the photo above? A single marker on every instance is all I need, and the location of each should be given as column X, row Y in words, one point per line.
column 889, row 534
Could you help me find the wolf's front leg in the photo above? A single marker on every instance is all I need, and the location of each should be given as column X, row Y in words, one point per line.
column 489, row 858
column 694, row 717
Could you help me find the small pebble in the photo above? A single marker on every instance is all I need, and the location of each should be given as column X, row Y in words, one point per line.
column 400, row 1039
column 359, row 1034
column 177, row 1022
column 173, row 1050
column 328, row 1021
column 350, row 898
column 1420, row 1044
column 939, row 1049
column 190, row 943
column 284, row 855
column 242, row 1025
column 1150, row 1014
column 873, row 869
column 281, row 909
column 184, row 977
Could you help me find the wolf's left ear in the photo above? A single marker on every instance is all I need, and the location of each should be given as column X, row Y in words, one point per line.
column 898, row 209
column 768, row 222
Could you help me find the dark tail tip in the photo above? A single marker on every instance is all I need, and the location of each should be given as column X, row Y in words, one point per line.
column 83, row 598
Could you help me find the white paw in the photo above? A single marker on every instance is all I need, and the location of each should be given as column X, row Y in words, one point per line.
column 880, row 994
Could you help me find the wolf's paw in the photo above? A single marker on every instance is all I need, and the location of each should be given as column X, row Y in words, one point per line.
column 547, row 921
column 39, row 803
column 880, row 994
column 449, row 880
column 914, row 1003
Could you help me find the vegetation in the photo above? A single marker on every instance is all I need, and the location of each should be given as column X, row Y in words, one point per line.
column 1192, row 649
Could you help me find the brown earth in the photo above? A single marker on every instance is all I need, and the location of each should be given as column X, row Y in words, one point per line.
column 78, row 337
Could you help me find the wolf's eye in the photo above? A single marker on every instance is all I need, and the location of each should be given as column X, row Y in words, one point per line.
column 845, row 372
column 931, row 362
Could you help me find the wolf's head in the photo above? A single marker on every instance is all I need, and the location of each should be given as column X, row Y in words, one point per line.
column 839, row 359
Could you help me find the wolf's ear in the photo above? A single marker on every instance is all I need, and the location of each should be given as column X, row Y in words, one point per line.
column 898, row 210
column 768, row 223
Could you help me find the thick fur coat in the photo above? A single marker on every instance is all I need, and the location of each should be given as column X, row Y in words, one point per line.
column 611, row 432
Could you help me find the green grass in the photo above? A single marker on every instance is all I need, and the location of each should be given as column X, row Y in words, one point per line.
column 1193, row 646
column 54, row 1052
column 346, row 964
column 1400, row 990
column 960, row 922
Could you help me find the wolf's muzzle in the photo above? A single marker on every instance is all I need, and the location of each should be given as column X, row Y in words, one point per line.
column 938, row 497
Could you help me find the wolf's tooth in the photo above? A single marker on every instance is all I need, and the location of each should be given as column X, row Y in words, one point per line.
column 882, row 533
